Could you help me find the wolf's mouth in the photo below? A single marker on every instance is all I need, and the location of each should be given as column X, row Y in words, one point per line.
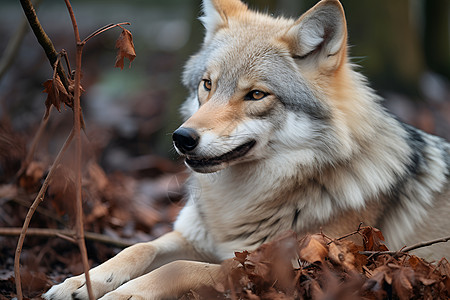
column 238, row 152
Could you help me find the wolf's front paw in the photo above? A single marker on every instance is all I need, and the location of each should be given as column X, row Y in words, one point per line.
column 75, row 288
column 117, row 295
column 137, row 289
column 64, row 290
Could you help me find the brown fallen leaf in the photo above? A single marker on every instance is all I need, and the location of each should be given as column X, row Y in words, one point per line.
column 376, row 282
column 312, row 248
column 340, row 254
column 373, row 239
column 402, row 281
column 126, row 48
column 444, row 267
column 241, row 257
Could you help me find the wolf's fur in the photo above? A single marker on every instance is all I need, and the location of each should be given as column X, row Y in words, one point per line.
column 319, row 152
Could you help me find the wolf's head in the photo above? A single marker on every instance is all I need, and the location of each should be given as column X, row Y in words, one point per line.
column 262, row 85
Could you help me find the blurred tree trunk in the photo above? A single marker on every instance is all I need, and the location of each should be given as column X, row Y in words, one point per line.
column 406, row 48
column 437, row 36
column 386, row 35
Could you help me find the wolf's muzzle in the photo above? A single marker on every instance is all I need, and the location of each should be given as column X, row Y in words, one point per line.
column 185, row 139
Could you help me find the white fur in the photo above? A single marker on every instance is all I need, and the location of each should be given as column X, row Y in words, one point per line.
column 310, row 37
column 210, row 19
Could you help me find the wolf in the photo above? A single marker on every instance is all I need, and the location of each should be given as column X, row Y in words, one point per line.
column 281, row 133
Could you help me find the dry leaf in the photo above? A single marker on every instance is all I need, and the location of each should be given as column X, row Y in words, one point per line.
column 402, row 281
column 340, row 254
column 241, row 257
column 126, row 48
column 444, row 267
column 312, row 248
column 376, row 281
column 57, row 94
column 373, row 239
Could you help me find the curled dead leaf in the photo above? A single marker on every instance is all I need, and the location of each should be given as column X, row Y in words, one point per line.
column 373, row 239
column 241, row 257
column 57, row 94
column 125, row 47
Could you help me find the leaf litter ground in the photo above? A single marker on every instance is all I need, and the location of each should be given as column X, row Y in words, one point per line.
column 328, row 269
column 121, row 209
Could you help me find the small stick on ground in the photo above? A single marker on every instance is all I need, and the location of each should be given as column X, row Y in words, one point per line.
column 407, row 249
column 357, row 231
column 39, row 198
column 46, row 232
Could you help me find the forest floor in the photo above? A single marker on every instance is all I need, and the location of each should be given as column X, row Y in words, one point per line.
column 122, row 208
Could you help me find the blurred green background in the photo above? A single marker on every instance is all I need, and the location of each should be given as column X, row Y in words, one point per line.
column 402, row 46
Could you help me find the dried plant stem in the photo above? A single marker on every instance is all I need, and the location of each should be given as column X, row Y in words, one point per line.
column 46, row 232
column 357, row 231
column 77, row 129
column 103, row 29
column 409, row 248
column 39, row 198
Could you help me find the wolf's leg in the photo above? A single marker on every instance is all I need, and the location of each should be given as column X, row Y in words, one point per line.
column 128, row 264
column 170, row 281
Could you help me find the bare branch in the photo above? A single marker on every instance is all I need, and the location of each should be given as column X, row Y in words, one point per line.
column 357, row 231
column 39, row 198
column 407, row 249
column 45, row 232
column 103, row 29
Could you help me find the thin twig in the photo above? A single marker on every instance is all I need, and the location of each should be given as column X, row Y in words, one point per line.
column 40, row 131
column 409, row 248
column 43, row 38
column 103, row 29
column 24, row 201
column 349, row 234
column 66, row 59
column 39, row 198
column 46, row 232
column 77, row 129
column 42, row 126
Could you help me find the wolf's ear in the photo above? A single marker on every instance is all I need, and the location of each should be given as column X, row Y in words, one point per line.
column 321, row 33
column 217, row 12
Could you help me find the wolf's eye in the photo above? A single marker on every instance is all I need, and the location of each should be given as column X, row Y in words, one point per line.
column 255, row 95
column 207, row 84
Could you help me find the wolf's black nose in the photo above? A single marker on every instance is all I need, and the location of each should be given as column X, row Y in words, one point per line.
column 186, row 139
